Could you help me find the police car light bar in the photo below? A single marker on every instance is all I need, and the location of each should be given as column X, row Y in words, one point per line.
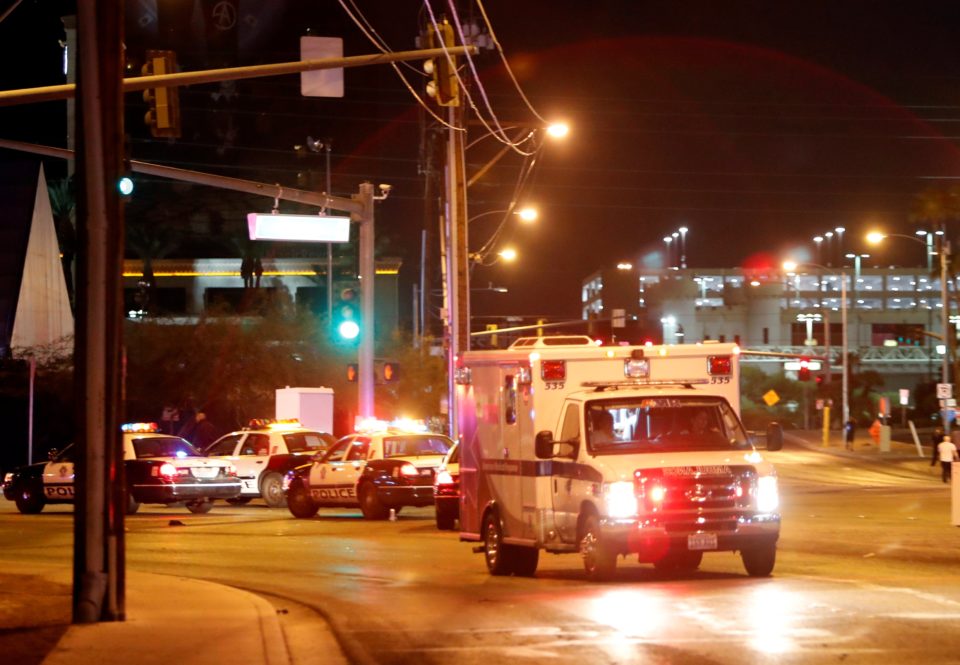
column 298, row 228
column 139, row 427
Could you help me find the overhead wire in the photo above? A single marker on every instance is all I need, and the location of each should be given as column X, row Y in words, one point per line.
column 406, row 83
column 499, row 133
column 506, row 63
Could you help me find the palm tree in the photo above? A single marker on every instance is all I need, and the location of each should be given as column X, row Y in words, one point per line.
column 63, row 204
column 149, row 243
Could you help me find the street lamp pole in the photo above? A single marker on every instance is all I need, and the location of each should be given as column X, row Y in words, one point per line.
column 845, row 382
column 875, row 237
column 945, row 323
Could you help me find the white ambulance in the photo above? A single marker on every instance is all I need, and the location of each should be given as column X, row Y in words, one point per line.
column 611, row 451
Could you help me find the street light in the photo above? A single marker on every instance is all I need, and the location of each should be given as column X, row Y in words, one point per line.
column 668, row 240
column 683, row 247
column 791, row 266
column 876, row 237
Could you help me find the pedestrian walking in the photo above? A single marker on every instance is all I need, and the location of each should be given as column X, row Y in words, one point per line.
column 246, row 271
column 257, row 272
column 947, row 450
column 849, row 431
column 935, row 440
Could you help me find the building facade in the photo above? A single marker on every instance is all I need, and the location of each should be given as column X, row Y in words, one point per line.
column 893, row 314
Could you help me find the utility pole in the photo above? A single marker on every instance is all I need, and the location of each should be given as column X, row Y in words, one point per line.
column 365, row 380
column 945, row 324
column 99, row 553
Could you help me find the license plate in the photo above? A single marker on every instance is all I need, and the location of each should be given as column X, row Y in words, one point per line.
column 204, row 471
column 702, row 541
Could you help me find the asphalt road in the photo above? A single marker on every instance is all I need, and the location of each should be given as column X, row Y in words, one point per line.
column 867, row 572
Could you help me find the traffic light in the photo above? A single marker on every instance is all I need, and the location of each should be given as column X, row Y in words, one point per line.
column 346, row 314
column 163, row 114
column 443, row 86
column 125, row 186
column 803, row 374
column 352, row 371
column 390, row 371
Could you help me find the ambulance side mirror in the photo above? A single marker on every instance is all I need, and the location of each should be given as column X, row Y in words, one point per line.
column 543, row 448
column 774, row 437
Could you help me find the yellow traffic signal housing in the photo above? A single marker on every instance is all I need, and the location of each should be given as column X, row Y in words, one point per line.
column 444, row 86
column 163, row 114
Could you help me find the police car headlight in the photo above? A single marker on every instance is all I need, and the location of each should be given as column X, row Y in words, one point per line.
column 7, row 478
column 621, row 500
column 768, row 497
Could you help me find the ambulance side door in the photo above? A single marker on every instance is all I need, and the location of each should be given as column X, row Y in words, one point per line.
column 507, row 467
column 564, row 483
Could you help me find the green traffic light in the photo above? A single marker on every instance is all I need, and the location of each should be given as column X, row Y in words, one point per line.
column 348, row 329
column 125, row 185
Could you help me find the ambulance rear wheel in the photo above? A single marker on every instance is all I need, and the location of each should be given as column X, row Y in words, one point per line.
column 271, row 489
column 759, row 561
column 299, row 502
column 599, row 561
column 370, row 504
column 523, row 560
column 29, row 501
column 493, row 548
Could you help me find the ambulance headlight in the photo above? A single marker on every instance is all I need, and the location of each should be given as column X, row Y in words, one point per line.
column 768, row 498
column 621, row 500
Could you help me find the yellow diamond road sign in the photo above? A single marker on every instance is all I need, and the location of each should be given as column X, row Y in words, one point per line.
column 771, row 397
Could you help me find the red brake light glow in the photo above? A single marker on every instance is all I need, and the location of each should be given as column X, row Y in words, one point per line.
column 553, row 370
column 409, row 470
column 168, row 470
column 719, row 365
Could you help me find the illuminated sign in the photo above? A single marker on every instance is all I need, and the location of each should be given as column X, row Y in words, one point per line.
column 298, row 228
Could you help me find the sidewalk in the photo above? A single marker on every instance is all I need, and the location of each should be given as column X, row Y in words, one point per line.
column 863, row 444
column 169, row 620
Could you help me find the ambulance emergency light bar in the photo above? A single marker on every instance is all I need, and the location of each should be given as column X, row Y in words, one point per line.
column 298, row 228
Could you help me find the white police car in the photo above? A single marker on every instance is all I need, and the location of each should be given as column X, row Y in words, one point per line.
column 264, row 451
column 159, row 468
column 378, row 468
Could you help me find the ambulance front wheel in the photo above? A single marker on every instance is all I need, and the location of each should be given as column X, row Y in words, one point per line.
column 759, row 561
column 599, row 559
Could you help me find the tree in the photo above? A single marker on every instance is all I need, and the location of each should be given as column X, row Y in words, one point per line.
column 63, row 204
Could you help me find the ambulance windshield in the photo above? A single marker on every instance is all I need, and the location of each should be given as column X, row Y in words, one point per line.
column 663, row 424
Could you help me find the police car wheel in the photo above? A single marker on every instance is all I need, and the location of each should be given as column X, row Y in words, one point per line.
column 132, row 504
column 599, row 562
column 271, row 489
column 446, row 519
column 370, row 504
column 200, row 506
column 299, row 502
column 759, row 561
column 29, row 502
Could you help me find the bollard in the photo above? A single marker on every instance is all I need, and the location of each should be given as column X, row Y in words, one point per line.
column 393, row 514
column 955, row 492
column 885, row 434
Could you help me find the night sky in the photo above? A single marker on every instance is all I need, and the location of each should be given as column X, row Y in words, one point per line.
column 756, row 125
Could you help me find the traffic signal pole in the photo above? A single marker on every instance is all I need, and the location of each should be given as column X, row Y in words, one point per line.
column 365, row 379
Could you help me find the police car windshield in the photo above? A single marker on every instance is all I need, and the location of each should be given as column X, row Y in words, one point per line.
column 415, row 445
column 308, row 442
column 163, row 446
column 663, row 424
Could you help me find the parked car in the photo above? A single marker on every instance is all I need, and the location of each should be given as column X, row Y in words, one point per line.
column 446, row 490
column 376, row 470
column 264, row 451
column 159, row 468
